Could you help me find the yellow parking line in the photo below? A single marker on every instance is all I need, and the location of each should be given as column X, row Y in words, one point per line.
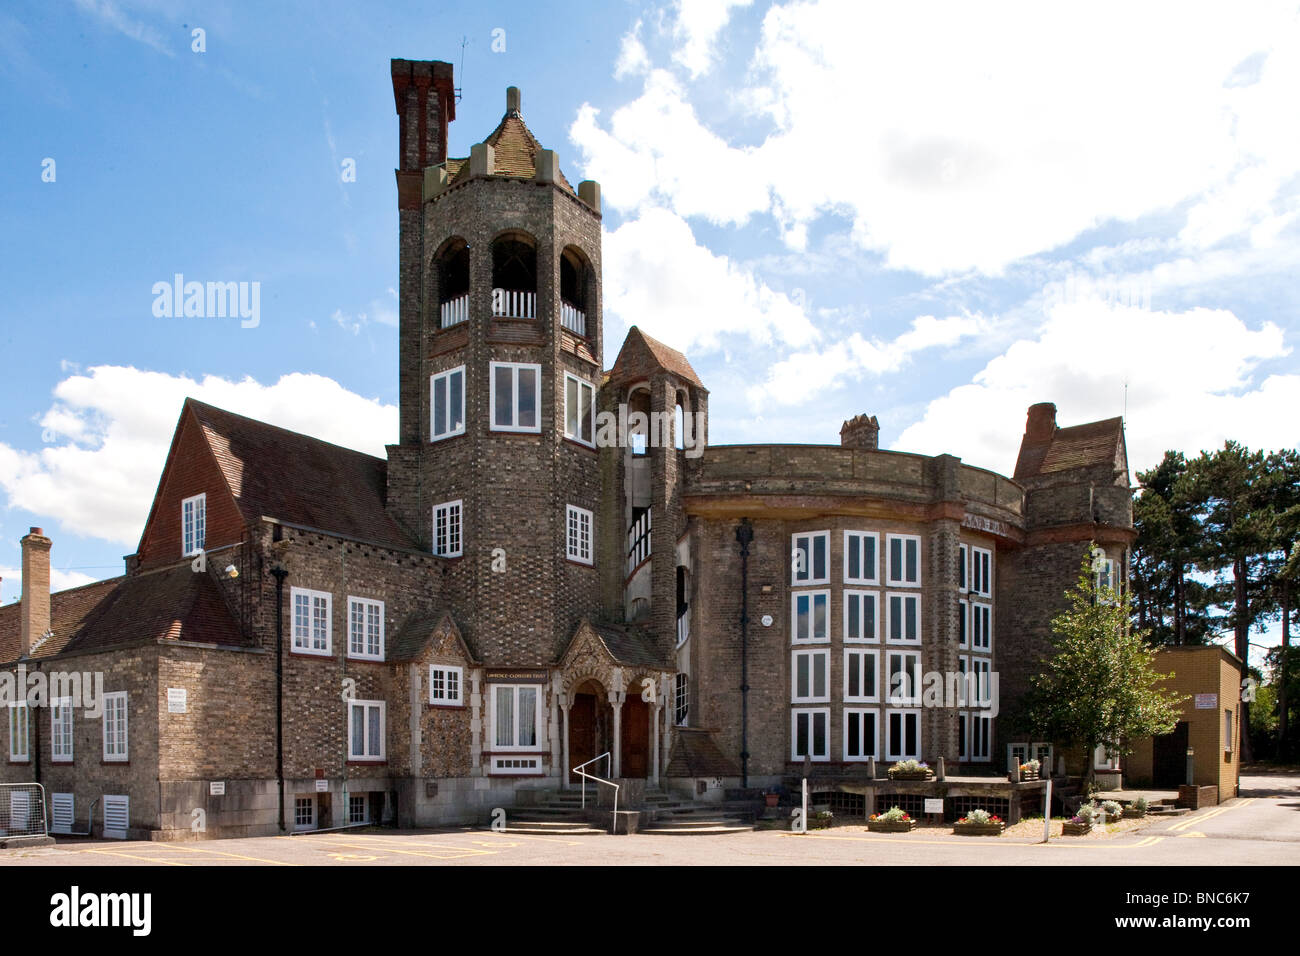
column 372, row 841
column 434, row 856
column 235, row 856
column 133, row 856
column 1210, row 814
column 538, row 839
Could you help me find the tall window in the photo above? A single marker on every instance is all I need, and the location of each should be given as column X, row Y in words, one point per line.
column 115, row 735
column 904, row 677
column 963, row 623
column 194, row 524
column 809, row 676
column 903, row 730
column 19, row 748
column 809, row 560
column 366, row 730
column 516, row 397
column 579, row 410
column 810, row 611
column 861, row 679
column 981, row 571
column 61, row 730
column 861, row 733
column 365, row 629
column 904, row 552
column 311, row 621
column 447, row 530
column 810, row 733
column 447, row 398
column 963, row 568
column 578, row 536
column 982, row 627
column 445, row 685
column 516, row 716
column 861, row 616
column 681, row 699
column 904, row 624
column 861, row 565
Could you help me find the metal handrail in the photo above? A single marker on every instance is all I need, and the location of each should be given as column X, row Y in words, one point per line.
column 599, row 780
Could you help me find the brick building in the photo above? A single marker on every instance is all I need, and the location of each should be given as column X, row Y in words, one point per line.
column 551, row 564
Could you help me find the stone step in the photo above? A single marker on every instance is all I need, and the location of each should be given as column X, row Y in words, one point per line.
column 710, row 828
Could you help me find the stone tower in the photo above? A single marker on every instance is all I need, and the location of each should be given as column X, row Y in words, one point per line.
column 497, row 467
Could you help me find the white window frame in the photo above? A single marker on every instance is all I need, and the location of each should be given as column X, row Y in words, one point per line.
column 367, row 605
column 856, row 714
column 514, row 425
column 797, row 545
column 110, row 704
column 892, row 753
column 963, row 623
column 911, row 665
column 981, row 571
column 812, row 597
column 454, row 510
column 681, row 699
column 366, row 706
column 981, row 629
column 817, row 659
column 61, row 730
column 853, row 541
column 963, row 568
column 582, row 385
column 852, row 596
column 452, row 691
column 963, row 736
column 304, row 799
column 905, row 539
column 812, row 714
column 582, row 515
column 365, row 808
column 305, row 643
column 435, row 380
column 979, row 675
column 1103, row 758
column 980, row 739
column 1228, row 728
column 20, row 732
column 538, row 717
column 904, row 598
column 194, row 531
column 862, row 654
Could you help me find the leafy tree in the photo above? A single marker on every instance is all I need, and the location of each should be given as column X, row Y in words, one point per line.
column 1100, row 686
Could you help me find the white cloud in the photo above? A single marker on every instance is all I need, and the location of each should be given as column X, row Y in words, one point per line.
column 113, row 17
column 698, row 25
column 956, row 138
column 632, row 56
column 1192, row 383
column 110, row 429
column 660, row 279
column 804, row 375
column 59, row 580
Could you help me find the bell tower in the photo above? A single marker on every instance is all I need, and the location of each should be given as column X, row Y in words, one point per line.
column 497, row 468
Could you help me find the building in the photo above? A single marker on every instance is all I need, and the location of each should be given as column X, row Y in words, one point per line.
column 551, row 565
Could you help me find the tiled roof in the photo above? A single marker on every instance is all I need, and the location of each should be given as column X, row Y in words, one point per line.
column 173, row 603
column 514, row 153
column 630, row 646
column 695, row 754
column 415, row 632
column 300, row 480
column 1079, row 446
column 641, row 356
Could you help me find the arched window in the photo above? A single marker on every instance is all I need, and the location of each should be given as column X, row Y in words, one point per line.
column 453, row 284
column 574, row 275
column 514, row 278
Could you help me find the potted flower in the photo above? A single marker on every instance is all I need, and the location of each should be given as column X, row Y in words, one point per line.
column 979, row 823
column 1112, row 811
column 1081, row 823
column 1137, row 809
column 820, row 820
column 1029, row 770
column 772, row 796
column 893, row 820
column 910, row 770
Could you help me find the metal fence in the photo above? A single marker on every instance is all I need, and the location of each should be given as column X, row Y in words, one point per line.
column 22, row 810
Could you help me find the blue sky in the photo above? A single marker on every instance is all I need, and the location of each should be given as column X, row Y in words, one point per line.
column 938, row 215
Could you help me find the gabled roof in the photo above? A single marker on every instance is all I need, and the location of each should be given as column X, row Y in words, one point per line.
column 641, row 357
column 419, row 629
column 1091, row 445
column 515, row 151
column 173, row 603
column 630, row 647
column 300, row 480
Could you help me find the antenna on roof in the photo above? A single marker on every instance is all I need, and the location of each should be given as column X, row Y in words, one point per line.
column 1124, row 413
column 461, row 72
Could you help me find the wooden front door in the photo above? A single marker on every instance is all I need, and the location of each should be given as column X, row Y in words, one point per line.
column 582, row 734
column 636, row 737
column 1169, row 758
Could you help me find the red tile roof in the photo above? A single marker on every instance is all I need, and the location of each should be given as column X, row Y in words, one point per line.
column 514, row 153
column 1079, row 446
column 67, row 610
column 641, row 356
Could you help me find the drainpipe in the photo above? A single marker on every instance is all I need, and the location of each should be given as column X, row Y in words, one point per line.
column 744, row 535
column 279, row 574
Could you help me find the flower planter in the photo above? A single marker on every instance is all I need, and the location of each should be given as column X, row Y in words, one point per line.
column 772, row 799
column 816, row 822
column 1076, row 829
column 891, row 826
column 1029, row 775
column 978, row 829
column 1132, row 813
column 911, row 775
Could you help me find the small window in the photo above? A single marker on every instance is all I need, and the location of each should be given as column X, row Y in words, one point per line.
column 194, row 524
column 516, row 397
column 578, row 535
column 365, row 629
column 904, row 685
column 446, row 685
column 904, row 560
column 19, row 748
column 681, row 699
column 981, row 571
column 860, row 561
column 809, row 558
column 358, row 808
column 861, row 678
column 981, row 738
column 61, row 730
column 963, row 568
column 447, row 398
column 1227, row 731
column 366, row 730
column 980, row 682
column 516, row 716
column 304, row 812
column 810, row 611
column 809, row 677
column 982, row 627
column 861, row 734
column 579, row 410
column 311, row 621
column 115, row 735
column 447, row 541
column 904, row 735
column 861, row 616
column 810, row 733
column 904, row 619
column 963, row 623
column 963, row 737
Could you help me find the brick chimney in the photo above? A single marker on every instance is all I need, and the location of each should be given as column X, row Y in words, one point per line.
column 861, row 431
column 1041, row 424
column 36, row 590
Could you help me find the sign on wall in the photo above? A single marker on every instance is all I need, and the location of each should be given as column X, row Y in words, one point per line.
column 217, row 788
column 1207, row 701
column 176, row 700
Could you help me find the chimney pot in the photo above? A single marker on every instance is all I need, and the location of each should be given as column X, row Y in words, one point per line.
column 512, row 101
column 861, row 431
column 1041, row 422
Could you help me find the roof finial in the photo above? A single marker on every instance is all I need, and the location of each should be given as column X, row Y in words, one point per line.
column 512, row 101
